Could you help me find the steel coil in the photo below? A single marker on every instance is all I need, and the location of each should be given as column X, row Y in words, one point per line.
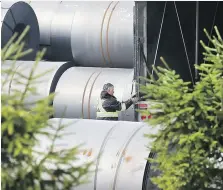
column 102, row 34
column 45, row 12
column 117, row 148
column 79, row 88
column 98, row 34
column 44, row 85
column 15, row 18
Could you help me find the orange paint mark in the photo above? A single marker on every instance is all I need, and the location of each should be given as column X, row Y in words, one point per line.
column 128, row 158
column 89, row 153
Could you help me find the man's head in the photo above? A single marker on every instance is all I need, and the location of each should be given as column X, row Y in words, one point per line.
column 109, row 88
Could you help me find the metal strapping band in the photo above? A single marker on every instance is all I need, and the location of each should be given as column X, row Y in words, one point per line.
column 102, row 51
column 82, row 107
column 121, row 157
column 7, row 26
column 109, row 58
column 100, row 153
column 89, row 98
column 13, row 18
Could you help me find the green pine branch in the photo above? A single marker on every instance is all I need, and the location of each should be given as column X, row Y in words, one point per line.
column 189, row 146
column 22, row 125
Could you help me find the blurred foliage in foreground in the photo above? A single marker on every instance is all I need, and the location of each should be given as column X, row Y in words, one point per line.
column 23, row 167
column 189, row 145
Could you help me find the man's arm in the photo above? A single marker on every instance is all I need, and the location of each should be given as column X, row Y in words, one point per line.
column 112, row 105
column 128, row 103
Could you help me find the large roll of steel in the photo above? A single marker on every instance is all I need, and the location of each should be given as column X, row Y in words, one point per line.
column 44, row 85
column 102, row 34
column 45, row 12
column 55, row 20
column 90, row 33
column 79, row 88
column 15, row 17
column 117, row 148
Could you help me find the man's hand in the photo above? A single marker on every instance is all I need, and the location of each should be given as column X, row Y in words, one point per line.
column 140, row 97
column 135, row 100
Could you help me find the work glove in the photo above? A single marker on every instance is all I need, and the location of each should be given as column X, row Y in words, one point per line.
column 141, row 98
column 140, row 95
column 135, row 100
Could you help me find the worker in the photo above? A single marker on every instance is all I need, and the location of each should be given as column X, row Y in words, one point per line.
column 108, row 106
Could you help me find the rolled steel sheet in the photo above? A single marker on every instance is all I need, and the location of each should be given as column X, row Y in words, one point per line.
column 98, row 33
column 44, row 85
column 61, row 32
column 117, row 148
column 79, row 88
column 55, row 20
column 45, row 12
column 102, row 34
column 14, row 18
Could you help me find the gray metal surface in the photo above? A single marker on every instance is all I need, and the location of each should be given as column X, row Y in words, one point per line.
column 7, row 4
column 45, row 12
column 102, row 34
column 6, row 79
column 79, row 88
column 120, row 144
column 90, row 33
column 44, row 85
column 61, row 32
column 14, row 18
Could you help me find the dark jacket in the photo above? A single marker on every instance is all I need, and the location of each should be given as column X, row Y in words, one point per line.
column 111, row 104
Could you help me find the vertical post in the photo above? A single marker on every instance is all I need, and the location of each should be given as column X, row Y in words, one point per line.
column 136, row 50
column 139, row 37
column 197, row 39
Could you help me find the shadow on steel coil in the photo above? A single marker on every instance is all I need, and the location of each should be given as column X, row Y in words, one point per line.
column 15, row 18
column 120, row 144
column 45, row 13
column 79, row 88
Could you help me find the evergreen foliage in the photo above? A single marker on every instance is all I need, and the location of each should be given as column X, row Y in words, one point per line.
column 23, row 166
column 189, row 145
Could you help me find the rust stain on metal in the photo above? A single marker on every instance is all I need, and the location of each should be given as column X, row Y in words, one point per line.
column 89, row 153
column 89, row 97
column 128, row 158
column 83, row 97
column 107, row 32
column 101, row 33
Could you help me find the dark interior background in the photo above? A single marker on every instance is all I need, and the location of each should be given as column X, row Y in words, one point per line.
column 171, row 44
